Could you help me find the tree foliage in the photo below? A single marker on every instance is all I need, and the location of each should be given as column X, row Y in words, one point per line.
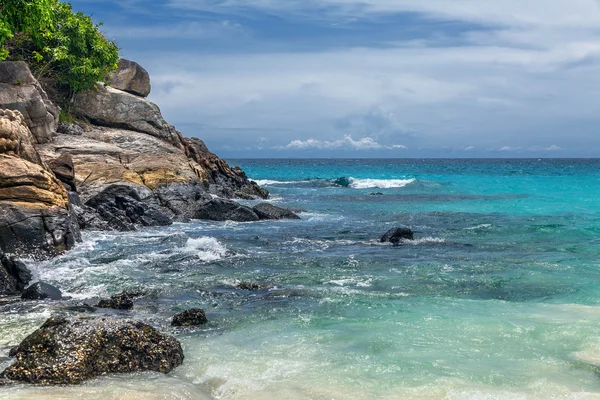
column 58, row 43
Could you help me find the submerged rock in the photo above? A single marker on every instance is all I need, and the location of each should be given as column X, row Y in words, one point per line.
column 248, row 286
column 123, row 301
column 192, row 317
column 396, row 235
column 269, row 211
column 70, row 350
column 41, row 291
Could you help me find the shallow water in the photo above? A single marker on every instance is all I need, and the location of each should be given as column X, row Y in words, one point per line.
column 497, row 298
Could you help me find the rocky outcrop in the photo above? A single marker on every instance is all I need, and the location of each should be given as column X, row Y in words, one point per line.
column 20, row 91
column 14, row 275
column 192, row 317
column 226, row 210
column 130, row 77
column 71, row 350
column 115, row 108
column 41, row 291
column 397, row 235
column 269, row 211
column 35, row 217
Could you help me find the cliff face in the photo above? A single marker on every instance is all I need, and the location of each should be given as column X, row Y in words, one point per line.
column 120, row 167
column 35, row 216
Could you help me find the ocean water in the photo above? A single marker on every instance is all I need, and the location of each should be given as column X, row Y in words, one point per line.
column 497, row 298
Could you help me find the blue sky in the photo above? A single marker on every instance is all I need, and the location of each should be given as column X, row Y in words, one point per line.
column 370, row 78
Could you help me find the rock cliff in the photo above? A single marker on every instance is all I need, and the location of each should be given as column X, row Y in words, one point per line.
column 121, row 165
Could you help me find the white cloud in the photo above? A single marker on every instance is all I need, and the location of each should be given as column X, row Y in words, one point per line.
column 365, row 143
column 554, row 148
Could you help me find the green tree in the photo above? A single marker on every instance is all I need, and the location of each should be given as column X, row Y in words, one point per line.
column 59, row 44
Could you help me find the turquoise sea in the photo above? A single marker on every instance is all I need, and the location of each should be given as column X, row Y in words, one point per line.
column 498, row 297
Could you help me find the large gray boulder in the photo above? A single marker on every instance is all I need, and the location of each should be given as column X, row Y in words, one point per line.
column 71, row 350
column 19, row 90
column 107, row 106
column 130, row 77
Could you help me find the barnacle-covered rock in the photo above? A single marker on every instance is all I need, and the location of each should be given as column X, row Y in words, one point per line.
column 70, row 350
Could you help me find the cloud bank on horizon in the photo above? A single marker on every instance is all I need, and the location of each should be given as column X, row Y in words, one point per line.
column 370, row 78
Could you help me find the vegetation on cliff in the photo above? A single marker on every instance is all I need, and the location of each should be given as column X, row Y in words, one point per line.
column 65, row 49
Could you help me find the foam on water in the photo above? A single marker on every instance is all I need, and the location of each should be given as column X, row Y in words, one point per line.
column 206, row 248
column 379, row 183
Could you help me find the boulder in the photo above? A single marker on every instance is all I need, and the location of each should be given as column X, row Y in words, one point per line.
column 67, row 128
column 115, row 108
column 396, row 235
column 20, row 91
column 130, row 77
column 35, row 217
column 192, row 317
column 41, row 291
column 71, row 350
column 64, row 170
column 269, row 211
column 123, row 301
column 14, row 275
column 226, row 210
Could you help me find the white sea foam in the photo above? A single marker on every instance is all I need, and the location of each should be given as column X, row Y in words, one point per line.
column 425, row 240
column 379, row 183
column 206, row 248
column 482, row 226
column 269, row 182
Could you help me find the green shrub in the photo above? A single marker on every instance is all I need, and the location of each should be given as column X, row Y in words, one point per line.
column 63, row 46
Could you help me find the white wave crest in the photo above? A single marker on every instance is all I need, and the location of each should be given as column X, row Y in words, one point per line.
column 425, row 240
column 482, row 226
column 379, row 183
column 206, row 248
column 269, row 182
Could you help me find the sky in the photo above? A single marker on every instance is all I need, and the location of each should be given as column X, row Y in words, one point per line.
column 369, row 78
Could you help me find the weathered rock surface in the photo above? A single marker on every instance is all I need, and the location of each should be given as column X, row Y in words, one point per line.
column 14, row 275
column 396, row 235
column 130, row 77
column 115, row 108
column 192, row 317
column 19, row 90
column 269, row 211
column 71, row 350
column 123, row 301
column 63, row 169
column 41, row 291
column 34, row 208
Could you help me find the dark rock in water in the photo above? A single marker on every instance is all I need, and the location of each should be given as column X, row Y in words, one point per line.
column 192, row 317
column 226, row 210
column 376, row 194
column 248, row 286
column 396, row 235
column 70, row 350
column 123, row 301
column 269, row 211
column 41, row 291
column 14, row 276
